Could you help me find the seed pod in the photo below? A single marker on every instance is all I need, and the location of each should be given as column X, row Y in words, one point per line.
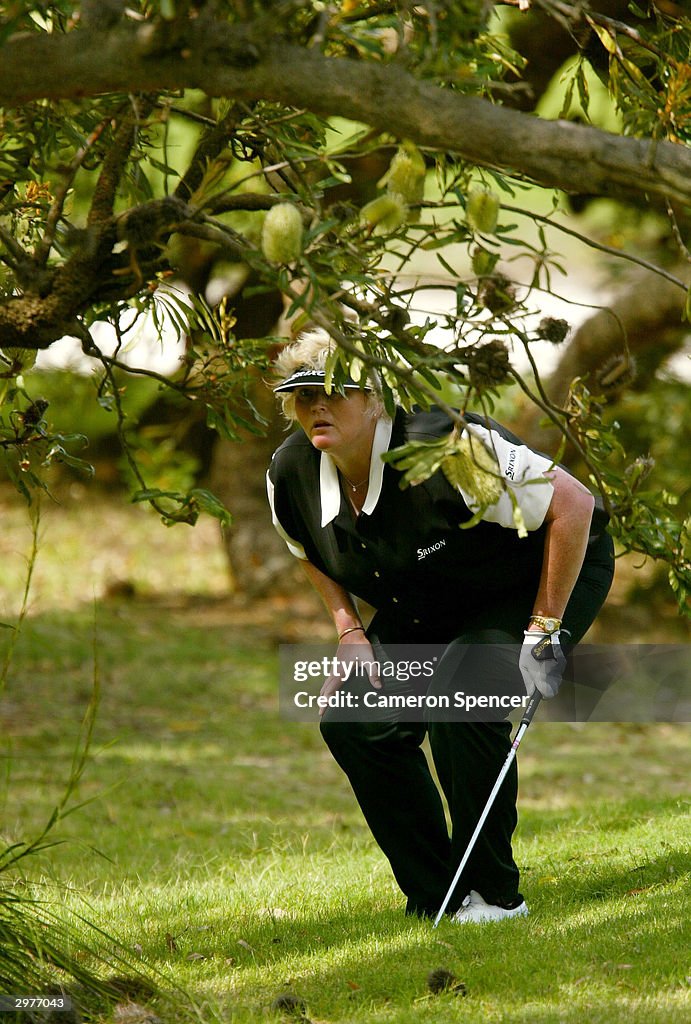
column 282, row 234
column 385, row 214
column 488, row 364
column 552, row 329
column 395, row 319
column 496, row 293
column 289, row 1005
column 406, row 176
column 474, row 469
column 34, row 413
column 482, row 211
column 442, row 980
column 483, row 262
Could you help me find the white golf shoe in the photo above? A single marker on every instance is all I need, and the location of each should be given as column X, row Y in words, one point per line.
column 474, row 910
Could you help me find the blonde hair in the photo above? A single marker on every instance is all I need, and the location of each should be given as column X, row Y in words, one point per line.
column 311, row 352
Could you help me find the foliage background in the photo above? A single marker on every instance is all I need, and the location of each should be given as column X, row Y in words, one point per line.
column 430, row 187
column 223, row 848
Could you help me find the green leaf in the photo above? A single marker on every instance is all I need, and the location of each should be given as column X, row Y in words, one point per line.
column 163, row 167
column 474, row 520
column 154, row 493
column 583, row 88
column 389, row 400
column 330, row 369
column 442, row 240
column 568, row 97
column 216, row 421
column 57, row 453
column 607, row 38
column 447, row 267
column 417, row 460
column 211, row 505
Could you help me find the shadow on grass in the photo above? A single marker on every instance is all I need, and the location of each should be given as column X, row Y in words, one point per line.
column 586, row 882
column 358, row 961
column 209, row 780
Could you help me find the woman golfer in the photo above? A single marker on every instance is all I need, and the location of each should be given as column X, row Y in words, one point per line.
column 486, row 594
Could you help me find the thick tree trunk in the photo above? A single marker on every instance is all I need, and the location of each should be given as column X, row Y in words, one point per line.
column 259, row 559
column 644, row 320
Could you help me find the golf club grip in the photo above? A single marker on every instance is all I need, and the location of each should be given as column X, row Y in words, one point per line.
column 531, row 708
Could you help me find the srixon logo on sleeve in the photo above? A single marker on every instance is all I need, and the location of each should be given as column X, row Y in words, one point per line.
column 424, row 552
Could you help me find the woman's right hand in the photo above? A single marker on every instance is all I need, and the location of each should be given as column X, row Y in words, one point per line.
column 353, row 649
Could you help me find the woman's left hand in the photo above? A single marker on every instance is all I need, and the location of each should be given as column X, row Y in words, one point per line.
column 542, row 663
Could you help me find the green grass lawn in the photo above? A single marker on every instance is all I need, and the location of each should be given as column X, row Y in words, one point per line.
column 222, row 845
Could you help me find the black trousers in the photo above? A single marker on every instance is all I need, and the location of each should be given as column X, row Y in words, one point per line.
column 391, row 777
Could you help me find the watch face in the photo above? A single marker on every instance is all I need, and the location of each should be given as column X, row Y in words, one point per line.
column 551, row 625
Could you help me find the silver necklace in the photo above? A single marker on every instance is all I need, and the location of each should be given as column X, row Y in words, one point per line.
column 354, row 487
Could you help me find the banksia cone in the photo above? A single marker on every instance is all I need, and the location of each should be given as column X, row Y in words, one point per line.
column 551, row 329
column 282, row 234
column 33, row 414
column 483, row 261
column 442, row 980
column 482, row 211
column 405, row 177
column 474, row 468
column 488, row 365
column 385, row 213
column 289, row 1005
column 496, row 293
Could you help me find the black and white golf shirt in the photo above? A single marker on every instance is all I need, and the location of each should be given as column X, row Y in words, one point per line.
column 405, row 554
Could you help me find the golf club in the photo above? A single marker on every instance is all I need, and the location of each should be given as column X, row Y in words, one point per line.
column 520, row 733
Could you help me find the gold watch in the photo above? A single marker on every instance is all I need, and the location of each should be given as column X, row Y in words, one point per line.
column 545, row 622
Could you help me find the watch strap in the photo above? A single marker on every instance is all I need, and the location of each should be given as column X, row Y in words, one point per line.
column 548, row 623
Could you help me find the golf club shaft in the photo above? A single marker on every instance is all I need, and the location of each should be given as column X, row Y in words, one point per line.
column 520, row 732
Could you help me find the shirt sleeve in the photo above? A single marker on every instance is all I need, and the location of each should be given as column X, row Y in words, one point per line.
column 523, row 472
column 294, row 546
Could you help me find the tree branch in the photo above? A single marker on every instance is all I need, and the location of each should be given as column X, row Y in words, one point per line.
column 42, row 249
column 103, row 201
column 238, row 62
column 609, row 250
column 34, row 320
column 212, row 143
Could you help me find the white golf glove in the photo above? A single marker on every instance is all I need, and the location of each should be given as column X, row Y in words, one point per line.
column 542, row 663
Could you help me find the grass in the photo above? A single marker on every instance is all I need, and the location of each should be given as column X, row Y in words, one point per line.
column 221, row 844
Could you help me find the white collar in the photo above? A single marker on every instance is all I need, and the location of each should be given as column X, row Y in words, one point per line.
column 329, row 485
